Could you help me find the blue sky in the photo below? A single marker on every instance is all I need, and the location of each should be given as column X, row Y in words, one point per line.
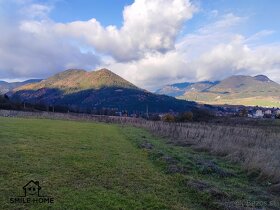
column 107, row 12
column 260, row 14
column 149, row 42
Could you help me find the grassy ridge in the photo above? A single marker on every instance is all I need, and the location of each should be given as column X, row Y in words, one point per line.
column 104, row 166
column 214, row 99
column 238, row 90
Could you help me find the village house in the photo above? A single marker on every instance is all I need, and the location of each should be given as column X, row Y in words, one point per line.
column 268, row 112
column 259, row 113
column 277, row 113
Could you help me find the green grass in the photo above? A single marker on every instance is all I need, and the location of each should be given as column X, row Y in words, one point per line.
column 211, row 98
column 100, row 166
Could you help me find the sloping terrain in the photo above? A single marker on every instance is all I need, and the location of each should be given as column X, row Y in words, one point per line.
column 180, row 89
column 75, row 80
column 235, row 90
column 6, row 86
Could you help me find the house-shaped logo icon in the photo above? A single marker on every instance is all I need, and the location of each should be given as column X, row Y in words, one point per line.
column 32, row 188
column 32, row 194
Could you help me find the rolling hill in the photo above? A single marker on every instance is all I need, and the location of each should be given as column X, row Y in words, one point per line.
column 75, row 80
column 6, row 86
column 234, row 90
column 83, row 91
column 180, row 89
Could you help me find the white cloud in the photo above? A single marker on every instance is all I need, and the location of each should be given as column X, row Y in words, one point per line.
column 259, row 35
column 155, row 70
column 39, row 11
column 213, row 52
column 29, row 49
column 148, row 26
column 29, row 55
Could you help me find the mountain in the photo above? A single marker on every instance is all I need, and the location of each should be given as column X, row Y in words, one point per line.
column 74, row 80
column 80, row 90
column 179, row 89
column 6, row 86
column 236, row 90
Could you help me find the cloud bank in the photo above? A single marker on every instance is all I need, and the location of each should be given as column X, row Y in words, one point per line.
column 148, row 26
column 35, row 52
column 149, row 48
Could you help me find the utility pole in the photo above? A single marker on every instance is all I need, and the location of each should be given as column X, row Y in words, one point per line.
column 147, row 111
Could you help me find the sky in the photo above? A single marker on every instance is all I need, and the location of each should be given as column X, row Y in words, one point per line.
column 150, row 43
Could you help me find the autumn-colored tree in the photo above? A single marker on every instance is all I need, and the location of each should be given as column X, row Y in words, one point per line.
column 168, row 118
column 243, row 112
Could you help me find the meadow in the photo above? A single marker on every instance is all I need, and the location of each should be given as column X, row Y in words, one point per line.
column 90, row 165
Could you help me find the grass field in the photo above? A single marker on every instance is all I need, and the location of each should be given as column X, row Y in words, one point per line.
column 207, row 98
column 86, row 165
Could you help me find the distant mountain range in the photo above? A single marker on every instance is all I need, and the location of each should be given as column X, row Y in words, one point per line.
column 234, row 90
column 82, row 91
column 6, row 86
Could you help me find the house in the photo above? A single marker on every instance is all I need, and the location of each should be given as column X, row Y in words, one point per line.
column 250, row 115
column 119, row 114
column 133, row 115
column 268, row 112
column 277, row 113
column 32, row 188
column 259, row 113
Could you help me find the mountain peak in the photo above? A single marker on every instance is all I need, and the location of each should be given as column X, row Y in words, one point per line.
column 235, row 90
column 69, row 72
column 104, row 70
column 262, row 78
column 73, row 70
column 73, row 80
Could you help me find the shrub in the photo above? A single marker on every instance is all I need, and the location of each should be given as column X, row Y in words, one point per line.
column 243, row 112
column 168, row 118
column 154, row 117
column 277, row 114
column 185, row 117
column 202, row 115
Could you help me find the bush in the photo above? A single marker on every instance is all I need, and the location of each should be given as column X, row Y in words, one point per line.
column 168, row 118
column 243, row 112
column 202, row 115
column 277, row 115
column 154, row 117
column 185, row 117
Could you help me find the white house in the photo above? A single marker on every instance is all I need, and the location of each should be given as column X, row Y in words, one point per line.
column 267, row 112
column 259, row 113
column 249, row 115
